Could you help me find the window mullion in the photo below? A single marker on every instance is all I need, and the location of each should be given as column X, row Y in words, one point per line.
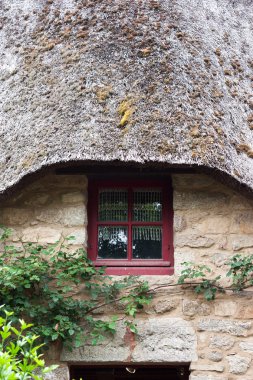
column 130, row 208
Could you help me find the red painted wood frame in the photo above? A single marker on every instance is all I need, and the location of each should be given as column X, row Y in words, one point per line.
column 132, row 266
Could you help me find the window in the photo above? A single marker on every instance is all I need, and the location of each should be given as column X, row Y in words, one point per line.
column 130, row 226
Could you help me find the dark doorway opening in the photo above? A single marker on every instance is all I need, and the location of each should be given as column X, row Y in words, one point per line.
column 130, row 373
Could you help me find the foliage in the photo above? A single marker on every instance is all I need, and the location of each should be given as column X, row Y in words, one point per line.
column 240, row 270
column 58, row 291
column 19, row 357
column 208, row 287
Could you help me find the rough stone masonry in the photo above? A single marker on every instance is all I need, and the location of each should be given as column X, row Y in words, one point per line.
column 211, row 223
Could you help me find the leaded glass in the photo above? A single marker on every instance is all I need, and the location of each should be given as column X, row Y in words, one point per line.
column 147, row 205
column 147, row 242
column 112, row 242
column 113, row 205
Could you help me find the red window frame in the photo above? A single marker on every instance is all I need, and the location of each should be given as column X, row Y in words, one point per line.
column 165, row 265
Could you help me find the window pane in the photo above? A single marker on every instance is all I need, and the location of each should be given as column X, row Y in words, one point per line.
column 112, row 243
column 147, row 242
column 147, row 205
column 113, row 205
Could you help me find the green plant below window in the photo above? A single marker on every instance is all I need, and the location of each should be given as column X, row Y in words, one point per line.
column 58, row 291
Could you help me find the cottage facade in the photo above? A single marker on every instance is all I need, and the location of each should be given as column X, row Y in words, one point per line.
column 135, row 92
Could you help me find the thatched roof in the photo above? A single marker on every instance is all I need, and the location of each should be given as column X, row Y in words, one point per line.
column 166, row 81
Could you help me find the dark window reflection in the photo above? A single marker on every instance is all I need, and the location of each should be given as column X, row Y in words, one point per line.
column 147, row 242
column 113, row 205
column 112, row 243
column 147, row 205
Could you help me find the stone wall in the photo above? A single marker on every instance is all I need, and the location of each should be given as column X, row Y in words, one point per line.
column 211, row 223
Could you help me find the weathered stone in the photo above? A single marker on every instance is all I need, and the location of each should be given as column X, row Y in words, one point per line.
column 192, row 308
column 247, row 346
column 179, row 223
column 215, row 356
column 206, row 367
column 166, row 305
column 79, row 235
column 62, row 181
column 242, row 242
column 225, row 308
column 37, row 200
column 41, row 235
column 220, row 259
column 213, row 225
column 242, row 223
column 205, row 376
column 70, row 216
column 75, row 197
column 192, row 182
column 237, row 328
column 15, row 216
column 193, row 241
column 180, row 258
column 162, row 340
column 245, row 312
column 200, row 200
column 222, row 341
column 238, row 364
column 61, row 373
column 113, row 349
column 165, row 340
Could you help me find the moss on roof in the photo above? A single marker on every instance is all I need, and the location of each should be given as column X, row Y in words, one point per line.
column 141, row 81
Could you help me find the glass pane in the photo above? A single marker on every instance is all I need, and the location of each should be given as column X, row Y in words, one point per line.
column 113, row 205
column 147, row 205
column 112, row 243
column 147, row 242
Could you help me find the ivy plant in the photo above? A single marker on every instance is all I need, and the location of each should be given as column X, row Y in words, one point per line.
column 59, row 291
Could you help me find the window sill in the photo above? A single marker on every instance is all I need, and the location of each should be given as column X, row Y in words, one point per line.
column 138, row 270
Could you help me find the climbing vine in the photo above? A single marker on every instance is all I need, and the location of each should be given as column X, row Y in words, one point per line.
column 59, row 291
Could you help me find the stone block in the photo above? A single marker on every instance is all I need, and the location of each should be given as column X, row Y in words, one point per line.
column 191, row 308
column 159, row 340
column 238, row 365
column 222, row 341
column 213, row 225
column 200, row 200
column 41, row 235
column 165, row 340
column 80, row 236
column 245, row 312
column 193, row 181
column 69, row 216
column 247, row 346
column 15, row 216
column 179, row 223
column 74, row 197
column 166, row 305
column 61, row 373
column 193, row 241
column 39, row 199
column 241, row 242
column 215, row 356
column 220, row 259
column 111, row 350
column 242, row 223
column 225, row 308
column 237, row 328
column 180, row 258
column 206, row 367
column 205, row 376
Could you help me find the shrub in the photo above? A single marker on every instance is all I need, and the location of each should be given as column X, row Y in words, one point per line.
column 19, row 357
